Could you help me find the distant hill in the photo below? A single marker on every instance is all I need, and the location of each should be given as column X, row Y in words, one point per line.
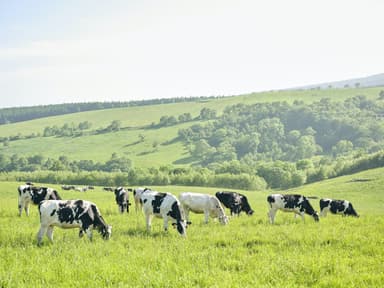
column 369, row 81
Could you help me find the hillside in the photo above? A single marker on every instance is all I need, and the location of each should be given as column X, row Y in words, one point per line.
column 286, row 138
column 369, row 81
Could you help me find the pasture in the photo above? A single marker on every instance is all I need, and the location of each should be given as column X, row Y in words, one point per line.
column 248, row 252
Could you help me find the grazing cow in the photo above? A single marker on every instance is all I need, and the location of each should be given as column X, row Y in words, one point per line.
column 29, row 193
column 236, row 202
column 343, row 207
column 122, row 199
column 68, row 187
column 110, row 189
column 44, row 193
column 203, row 203
column 163, row 205
column 71, row 214
column 137, row 195
column 290, row 203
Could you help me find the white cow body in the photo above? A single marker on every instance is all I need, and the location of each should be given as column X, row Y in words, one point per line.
column 203, row 203
column 70, row 214
column 163, row 205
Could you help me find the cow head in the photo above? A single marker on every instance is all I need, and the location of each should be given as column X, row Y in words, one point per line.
column 351, row 211
column 315, row 216
column 105, row 231
column 181, row 226
column 245, row 206
column 37, row 194
column 223, row 219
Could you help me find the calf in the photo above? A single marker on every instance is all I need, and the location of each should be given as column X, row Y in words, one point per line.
column 342, row 207
column 137, row 195
column 203, row 203
column 122, row 199
column 71, row 214
column 29, row 193
column 236, row 202
column 163, row 205
column 290, row 203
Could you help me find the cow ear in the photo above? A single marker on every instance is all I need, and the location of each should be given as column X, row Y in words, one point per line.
column 189, row 222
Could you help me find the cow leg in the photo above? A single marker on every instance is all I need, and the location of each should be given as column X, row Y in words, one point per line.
column 81, row 233
column 323, row 213
column 89, row 233
column 20, row 209
column 26, row 208
column 40, row 234
column 271, row 215
column 148, row 219
column 50, row 233
column 186, row 212
column 206, row 217
column 165, row 223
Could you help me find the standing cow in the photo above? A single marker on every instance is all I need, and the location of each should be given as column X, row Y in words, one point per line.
column 163, row 205
column 235, row 202
column 297, row 204
column 342, row 207
column 71, row 214
column 203, row 203
column 29, row 193
column 122, row 199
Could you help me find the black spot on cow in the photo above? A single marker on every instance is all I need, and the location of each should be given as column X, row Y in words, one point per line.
column 235, row 202
column 65, row 215
column 156, row 203
column 337, row 206
column 175, row 212
column 53, row 212
column 292, row 201
column 270, row 199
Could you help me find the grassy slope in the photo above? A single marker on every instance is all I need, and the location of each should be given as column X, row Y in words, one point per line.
column 101, row 147
column 249, row 252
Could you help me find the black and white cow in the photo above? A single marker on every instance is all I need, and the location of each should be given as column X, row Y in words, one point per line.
column 71, row 214
column 290, row 203
column 137, row 192
column 166, row 206
column 342, row 207
column 122, row 199
column 203, row 203
column 29, row 193
column 43, row 193
column 235, row 202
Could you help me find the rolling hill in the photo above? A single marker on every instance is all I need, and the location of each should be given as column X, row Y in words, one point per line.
column 160, row 145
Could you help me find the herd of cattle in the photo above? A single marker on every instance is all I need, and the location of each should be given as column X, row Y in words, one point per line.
column 86, row 216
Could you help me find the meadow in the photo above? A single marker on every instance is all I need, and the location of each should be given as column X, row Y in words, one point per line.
column 248, row 252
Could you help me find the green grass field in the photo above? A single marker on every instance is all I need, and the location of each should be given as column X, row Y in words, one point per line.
column 248, row 252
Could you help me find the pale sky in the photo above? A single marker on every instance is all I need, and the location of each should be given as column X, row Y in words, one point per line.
column 66, row 51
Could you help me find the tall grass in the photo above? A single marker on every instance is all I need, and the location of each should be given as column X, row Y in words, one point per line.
column 249, row 252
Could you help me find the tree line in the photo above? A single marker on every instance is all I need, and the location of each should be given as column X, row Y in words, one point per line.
column 119, row 171
column 18, row 114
